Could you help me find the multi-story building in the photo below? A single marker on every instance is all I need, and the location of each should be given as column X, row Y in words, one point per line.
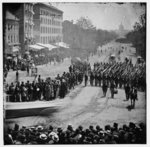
column 12, row 31
column 25, row 14
column 48, row 24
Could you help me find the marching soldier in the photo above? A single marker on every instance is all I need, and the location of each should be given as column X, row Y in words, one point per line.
column 91, row 79
column 112, row 87
column 104, row 88
column 133, row 96
column 85, row 79
column 96, row 79
column 99, row 79
column 127, row 91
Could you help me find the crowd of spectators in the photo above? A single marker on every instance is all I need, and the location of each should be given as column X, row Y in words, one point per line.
column 127, row 134
column 41, row 89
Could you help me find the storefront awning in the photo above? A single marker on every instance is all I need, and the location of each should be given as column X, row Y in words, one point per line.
column 36, row 47
column 62, row 44
column 15, row 49
column 49, row 46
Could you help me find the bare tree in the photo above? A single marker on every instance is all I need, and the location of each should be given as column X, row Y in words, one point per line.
column 85, row 23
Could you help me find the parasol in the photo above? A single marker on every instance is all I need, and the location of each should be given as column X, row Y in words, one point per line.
column 27, row 52
column 139, row 57
column 9, row 57
column 113, row 55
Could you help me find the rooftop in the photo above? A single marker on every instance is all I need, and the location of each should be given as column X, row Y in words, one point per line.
column 50, row 6
column 10, row 16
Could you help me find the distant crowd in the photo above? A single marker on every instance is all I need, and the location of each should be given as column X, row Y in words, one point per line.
column 126, row 134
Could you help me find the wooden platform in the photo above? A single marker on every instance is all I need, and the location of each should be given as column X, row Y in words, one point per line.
column 23, row 109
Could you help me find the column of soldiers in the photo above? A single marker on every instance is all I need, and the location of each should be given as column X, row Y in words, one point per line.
column 48, row 89
column 118, row 75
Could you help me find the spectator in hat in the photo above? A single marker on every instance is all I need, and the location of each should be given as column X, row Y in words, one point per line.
column 54, row 137
column 115, row 125
column 42, row 139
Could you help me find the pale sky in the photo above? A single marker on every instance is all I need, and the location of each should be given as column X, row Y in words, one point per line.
column 104, row 16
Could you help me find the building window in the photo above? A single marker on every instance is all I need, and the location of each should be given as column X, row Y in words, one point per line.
column 11, row 39
column 8, row 38
column 26, row 7
column 17, row 37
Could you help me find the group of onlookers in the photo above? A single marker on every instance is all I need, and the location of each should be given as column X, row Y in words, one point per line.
column 115, row 134
column 44, row 89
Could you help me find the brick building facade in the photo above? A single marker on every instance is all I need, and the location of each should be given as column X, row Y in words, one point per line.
column 12, row 32
column 48, row 24
column 25, row 14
